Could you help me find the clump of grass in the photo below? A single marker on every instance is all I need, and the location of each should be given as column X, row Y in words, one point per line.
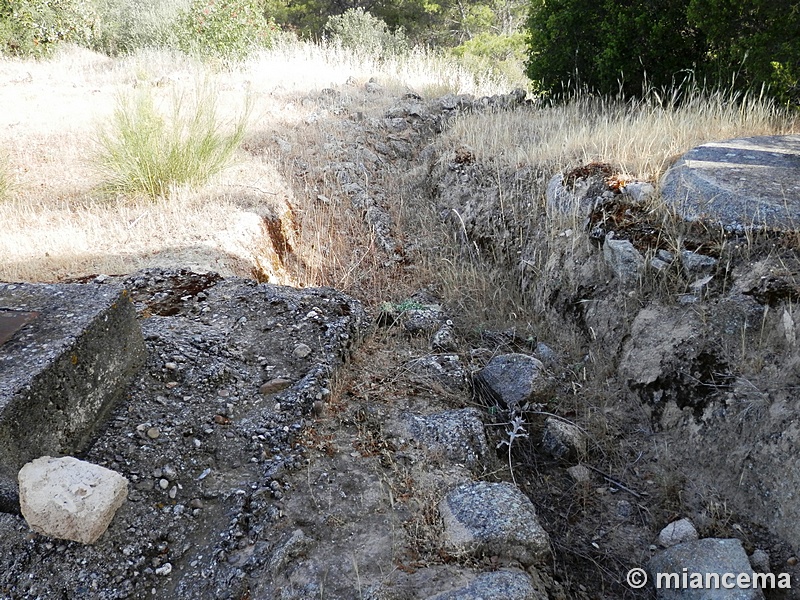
column 142, row 151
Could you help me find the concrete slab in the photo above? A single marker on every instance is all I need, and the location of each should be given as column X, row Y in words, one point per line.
column 61, row 372
column 742, row 184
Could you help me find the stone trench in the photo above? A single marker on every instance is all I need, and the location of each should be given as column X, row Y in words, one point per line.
column 284, row 443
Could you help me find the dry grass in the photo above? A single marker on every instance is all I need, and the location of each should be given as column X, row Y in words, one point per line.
column 58, row 223
column 640, row 137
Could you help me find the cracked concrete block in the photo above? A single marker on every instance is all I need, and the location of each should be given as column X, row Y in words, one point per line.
column 61, row 373
column 70, row 499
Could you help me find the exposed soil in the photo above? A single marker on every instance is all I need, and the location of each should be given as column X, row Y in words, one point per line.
column 319, row 491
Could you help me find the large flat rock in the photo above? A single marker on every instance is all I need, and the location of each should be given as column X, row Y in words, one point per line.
column 61, row 370
column 741, row 184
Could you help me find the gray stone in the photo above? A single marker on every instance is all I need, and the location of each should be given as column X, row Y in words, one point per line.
column 301, row 351
column 446, row 369
column 507, row 584
column 564, row 440
column 625, row 260
column 705, row 556
column 760, row 562
column 677, row 532
column 511, row 380
column 578, row 199
column 457, row 433
column 546, row 354
column 658, row 264
column 695, row 264
column 745, row 183
column 580, row 473
column 495, row 519
column 639, row 191
column 61, row 374
column 70, row 499
column 444, row 340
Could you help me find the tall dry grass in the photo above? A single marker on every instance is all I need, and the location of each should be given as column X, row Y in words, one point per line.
column 639, row 136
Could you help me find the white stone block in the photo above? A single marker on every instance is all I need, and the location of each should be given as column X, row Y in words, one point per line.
column 70, row 499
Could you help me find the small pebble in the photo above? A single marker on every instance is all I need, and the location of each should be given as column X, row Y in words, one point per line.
column 163, row 484
column 301, row 351
column 173, row 492
column 153, row 433
column 171, row 366
column 164, row 569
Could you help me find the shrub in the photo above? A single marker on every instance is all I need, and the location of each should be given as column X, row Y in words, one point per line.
column 124, row 26
column 223, row 29
column 607, row 45
column 499, row 55
column 358, row 30
column 34, row 27
column 610, row 45
column 142, row 151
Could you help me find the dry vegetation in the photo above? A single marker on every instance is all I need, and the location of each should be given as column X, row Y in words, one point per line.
column 61, row 222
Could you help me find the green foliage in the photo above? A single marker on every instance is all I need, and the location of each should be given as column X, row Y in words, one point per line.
column 34, row 27
column 142, row 151
column 358, row 30
column 610, row 45
column 496, row 54
column 124, row 26
column 755, row 41
column 224, row 29
column 630, row 45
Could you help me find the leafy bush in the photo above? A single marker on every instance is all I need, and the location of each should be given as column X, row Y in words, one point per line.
column 142, row 151
column 499, row 55
column 124, row 26
column 358, row 30
column 602, row 46
column 223, row 29
column 34, row 27
column 613, row 45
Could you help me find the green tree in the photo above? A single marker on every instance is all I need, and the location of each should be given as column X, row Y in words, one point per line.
column 752, row 42
column 609, row 45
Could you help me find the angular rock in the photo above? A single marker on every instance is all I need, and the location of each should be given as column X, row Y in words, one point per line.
column 639, row 191
column 444, row 340
column 458, row 433
column 709, row 555
column 696, row 265
column 677, row 532
column 580, row 474
column 70, row 499
column 578, row 199
column 511, row 380
column 625, row 260
column 273, row 386
column 564, row 440
column 507, row 584
column 447, row 369
column 496, row 519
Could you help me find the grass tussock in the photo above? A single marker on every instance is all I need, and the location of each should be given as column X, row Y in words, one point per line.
column 144, row 151
column 642, row 137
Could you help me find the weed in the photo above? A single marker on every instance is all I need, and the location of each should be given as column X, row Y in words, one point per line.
column 141, row 151
column 516, row 430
